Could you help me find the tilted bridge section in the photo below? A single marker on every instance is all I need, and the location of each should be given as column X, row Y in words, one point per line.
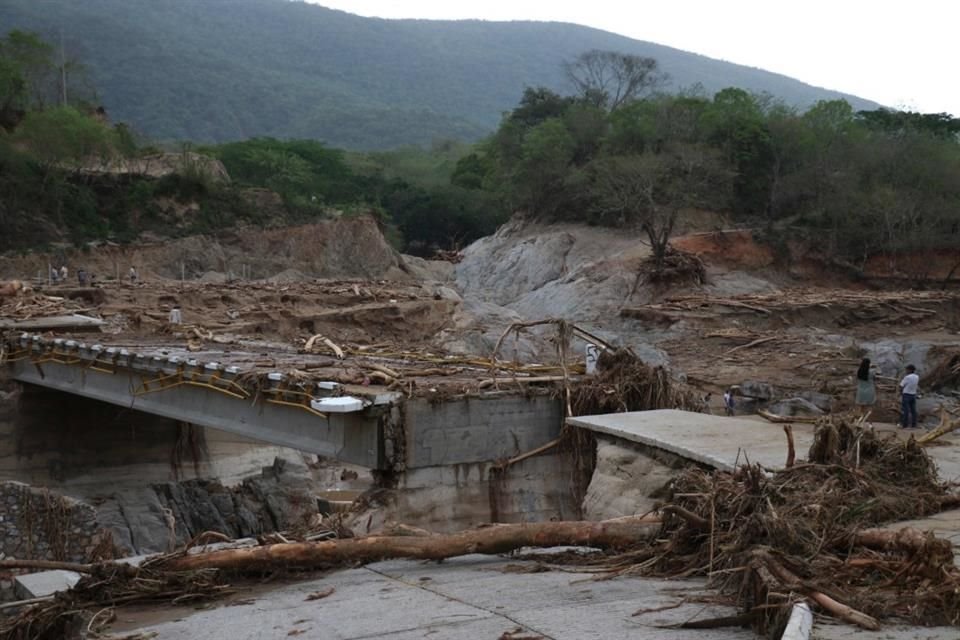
column 368, row 426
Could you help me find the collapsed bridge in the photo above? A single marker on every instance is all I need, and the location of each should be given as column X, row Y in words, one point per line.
column 455, row 412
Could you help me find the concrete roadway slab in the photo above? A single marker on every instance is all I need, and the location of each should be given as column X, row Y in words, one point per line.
column 825, row 630
column 716, row 441
column 460, row 599
column 719, row 441
column 43, row 583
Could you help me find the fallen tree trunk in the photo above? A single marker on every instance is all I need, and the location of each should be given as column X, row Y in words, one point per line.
column 778, row 419
column 609, row 534
column 907, row 540
column 790, row 581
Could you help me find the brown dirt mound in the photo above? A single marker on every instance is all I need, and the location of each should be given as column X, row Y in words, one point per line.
column 346, row 247
column 731, row 248
column 937, row 264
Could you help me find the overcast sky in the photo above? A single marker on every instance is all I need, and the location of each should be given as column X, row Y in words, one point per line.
column 900, row 54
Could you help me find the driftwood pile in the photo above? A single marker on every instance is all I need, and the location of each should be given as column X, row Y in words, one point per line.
column 675, row 267
column 810, row 532
column 623, row 382
column 887, row 306
column 28, row 304
column 946, row 374
column 86, row 609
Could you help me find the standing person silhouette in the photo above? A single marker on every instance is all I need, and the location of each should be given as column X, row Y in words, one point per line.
column 909, row 388
column 866, row 395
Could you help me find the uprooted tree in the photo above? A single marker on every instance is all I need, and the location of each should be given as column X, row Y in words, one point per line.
column 649, row 190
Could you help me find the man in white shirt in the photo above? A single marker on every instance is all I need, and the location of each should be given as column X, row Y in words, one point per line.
column 908, row 398
column 729, row 404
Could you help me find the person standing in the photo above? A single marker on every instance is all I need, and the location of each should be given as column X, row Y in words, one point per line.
column 908, row 398
column 729, row 404
column 866, row 387
column 64, row 273
column 133, row 275
column 176, row 317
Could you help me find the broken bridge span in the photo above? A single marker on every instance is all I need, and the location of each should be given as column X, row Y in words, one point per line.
column 440, row 422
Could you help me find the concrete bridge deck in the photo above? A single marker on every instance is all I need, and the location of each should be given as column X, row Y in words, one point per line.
column 722, row 442
column 296, row 400
column 717, row 441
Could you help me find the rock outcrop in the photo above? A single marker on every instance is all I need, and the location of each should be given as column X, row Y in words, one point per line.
column 162, row 516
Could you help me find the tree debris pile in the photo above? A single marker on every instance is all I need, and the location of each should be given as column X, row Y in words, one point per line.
column 946, row 375
column 104, row 586
column 675, row 267
column 623, row 382
column 850, row 307
column 808, row 531
column 29, row 304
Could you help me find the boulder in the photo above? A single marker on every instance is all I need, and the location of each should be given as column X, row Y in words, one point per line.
column 757, row 390
column 822, row 401
column 798, row 407
column 625, row 482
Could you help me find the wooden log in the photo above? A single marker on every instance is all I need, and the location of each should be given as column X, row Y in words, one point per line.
column 778, row 419
column 791, row 581
column 906, row 539
column 845, row 612
column 612, row 534
column 46, row 565
column 791, row 447
column 689, row 517
column 753, row 343
column 946, row 426
column 382, row 369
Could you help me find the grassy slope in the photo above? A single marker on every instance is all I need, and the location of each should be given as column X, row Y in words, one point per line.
column 228, row 69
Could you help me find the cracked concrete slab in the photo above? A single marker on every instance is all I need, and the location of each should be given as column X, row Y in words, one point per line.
column 459, row 599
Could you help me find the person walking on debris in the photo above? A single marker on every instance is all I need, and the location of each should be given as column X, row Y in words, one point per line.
column 866, row 387
column 82, row 277
column 133, row 275
column 175, row 315
column 729, row 404
column 908, row 398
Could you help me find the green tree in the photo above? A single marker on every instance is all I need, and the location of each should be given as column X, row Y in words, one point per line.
column 13, row 94
column 64, row 137
column 939, row 125
column 538, row 104
column 540, row 175
column 33, row 57
column 735, row 123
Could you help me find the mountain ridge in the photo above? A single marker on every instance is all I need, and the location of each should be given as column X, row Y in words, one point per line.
column 230, row 69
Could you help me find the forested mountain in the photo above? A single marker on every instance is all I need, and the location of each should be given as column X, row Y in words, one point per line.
column 218, row 70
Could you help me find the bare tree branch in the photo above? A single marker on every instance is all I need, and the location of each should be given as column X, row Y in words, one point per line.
column 609, row 79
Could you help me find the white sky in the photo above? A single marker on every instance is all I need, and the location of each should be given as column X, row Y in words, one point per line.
column 900, row 54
